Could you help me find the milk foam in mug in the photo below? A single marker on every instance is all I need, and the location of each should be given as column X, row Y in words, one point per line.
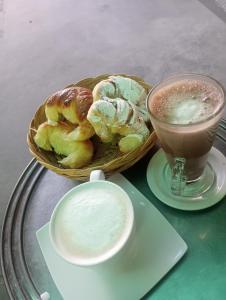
column 92, row 222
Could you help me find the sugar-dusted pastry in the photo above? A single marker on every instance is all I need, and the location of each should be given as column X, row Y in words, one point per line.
column 71, row 104
column 117, row 116
column 124, row 88
column 57, row 138
column 130, row 142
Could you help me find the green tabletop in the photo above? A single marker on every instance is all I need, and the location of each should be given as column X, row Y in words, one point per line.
column 201, row 274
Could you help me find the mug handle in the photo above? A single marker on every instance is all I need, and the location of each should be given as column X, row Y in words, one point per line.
column 178, row 180
column 96, row 175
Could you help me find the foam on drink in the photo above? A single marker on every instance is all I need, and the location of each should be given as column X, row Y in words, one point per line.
column 91, row 222
column 185, row 102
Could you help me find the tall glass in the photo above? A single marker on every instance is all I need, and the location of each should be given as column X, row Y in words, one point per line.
column 186, row 131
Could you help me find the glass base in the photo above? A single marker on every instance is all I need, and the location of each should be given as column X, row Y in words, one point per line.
column 193, row 188
column 203, row 193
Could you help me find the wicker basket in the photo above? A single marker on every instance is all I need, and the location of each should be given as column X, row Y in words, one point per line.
column 107, row 158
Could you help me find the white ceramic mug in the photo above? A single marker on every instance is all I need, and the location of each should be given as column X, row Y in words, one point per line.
column 92, row 222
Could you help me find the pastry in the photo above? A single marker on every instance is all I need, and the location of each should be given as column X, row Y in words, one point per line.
column 57, row 138
column 82, row 132
column 71, row 104
column 130, row 142
column 124, row 88
column 110, row 117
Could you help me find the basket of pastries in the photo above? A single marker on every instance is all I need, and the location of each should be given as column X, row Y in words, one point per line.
column 97, row 123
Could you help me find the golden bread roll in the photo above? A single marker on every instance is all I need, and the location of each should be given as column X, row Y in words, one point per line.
column 124, row 88
column 82, row 132
column 57, row 138
column 117, row 116
column 71, row 104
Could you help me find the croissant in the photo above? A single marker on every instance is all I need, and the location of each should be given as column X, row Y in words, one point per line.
column 57, row 138
column 117, row 116
column 124, row 88
column 71, row 104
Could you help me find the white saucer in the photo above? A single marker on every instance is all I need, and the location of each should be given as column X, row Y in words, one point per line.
column 156, row 249
column 216, row 193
